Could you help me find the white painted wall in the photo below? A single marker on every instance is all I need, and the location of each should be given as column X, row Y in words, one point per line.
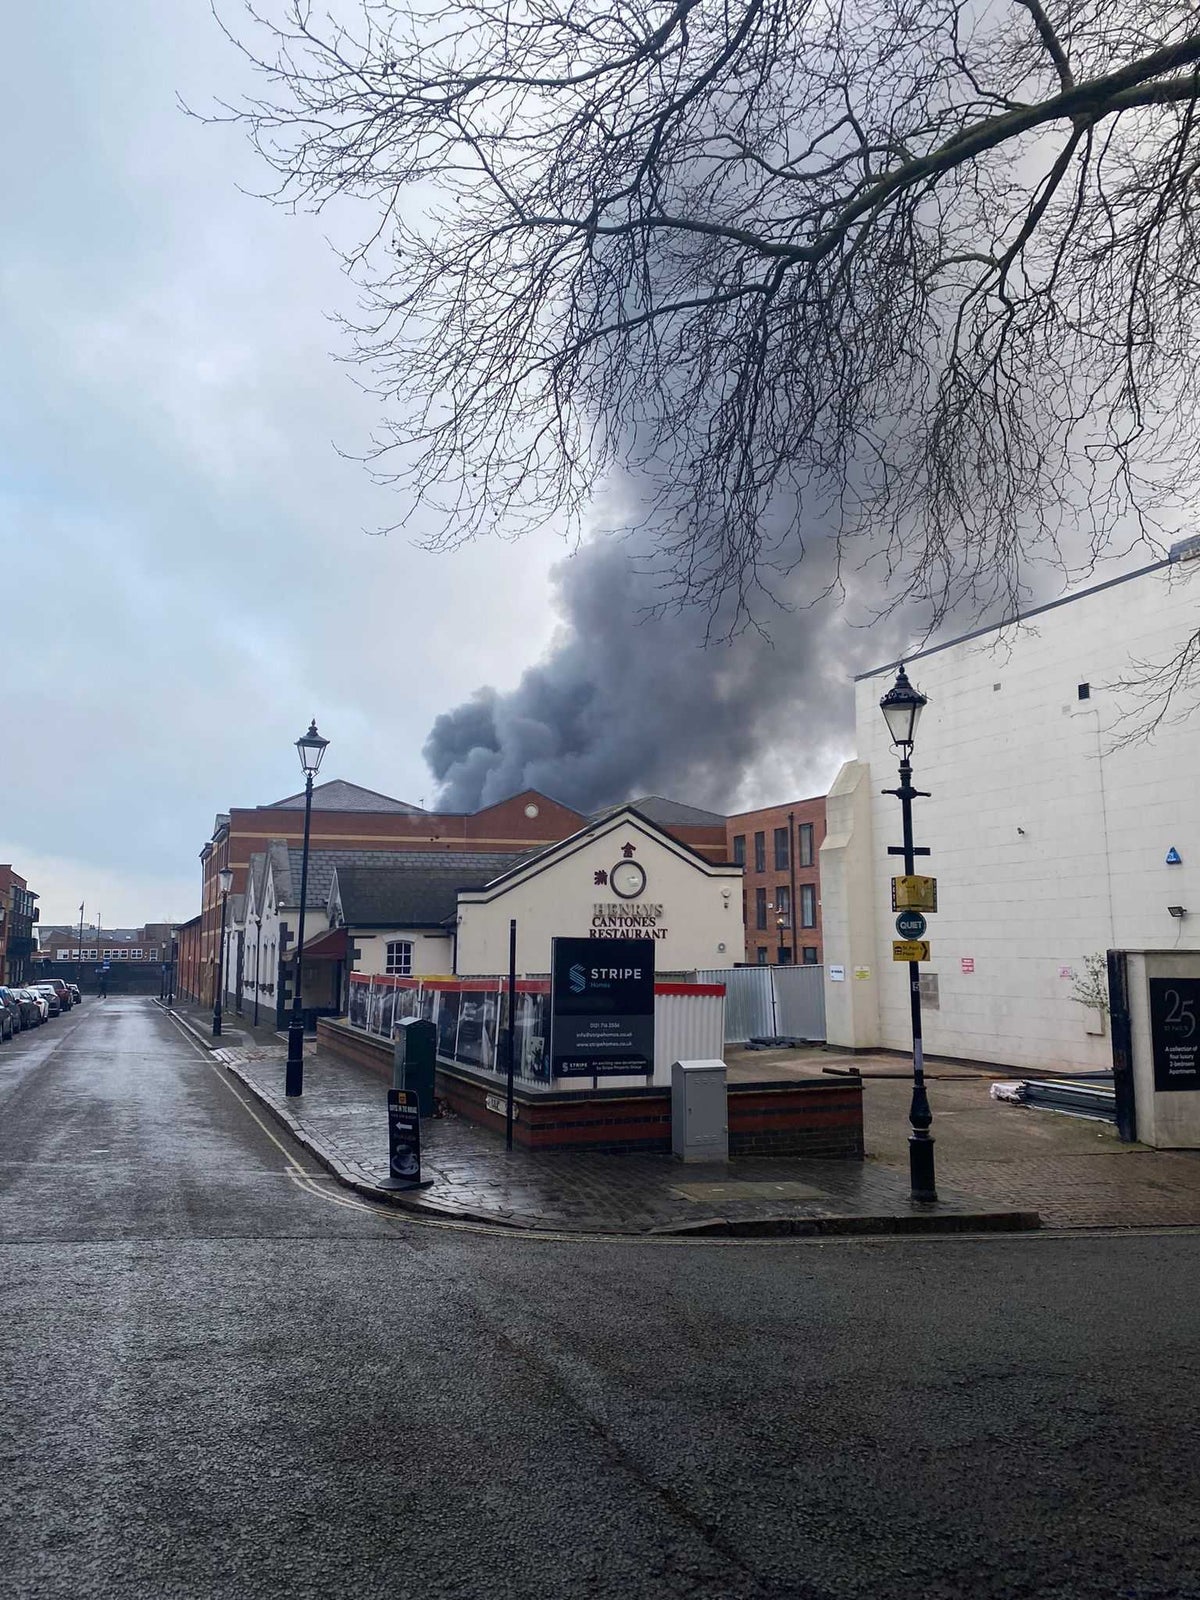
column 701, row 906
column 433, row 953
column 1049, row 840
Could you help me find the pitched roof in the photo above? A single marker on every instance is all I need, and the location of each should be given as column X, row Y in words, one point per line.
column 338, row 795
column 666, row 813
column 414, row 896
column 475, row 866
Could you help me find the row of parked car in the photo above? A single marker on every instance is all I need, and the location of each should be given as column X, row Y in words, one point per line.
column 35, row 1003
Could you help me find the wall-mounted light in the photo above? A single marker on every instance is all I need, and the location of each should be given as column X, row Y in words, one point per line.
column 1178, row 912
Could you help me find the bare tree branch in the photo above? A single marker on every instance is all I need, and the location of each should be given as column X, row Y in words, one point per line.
column 915, row 278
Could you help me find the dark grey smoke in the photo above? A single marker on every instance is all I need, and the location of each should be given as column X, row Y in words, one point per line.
column 628, row 705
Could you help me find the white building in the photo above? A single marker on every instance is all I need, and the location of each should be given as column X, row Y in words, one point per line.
column 1051, row 838
column 620, row 877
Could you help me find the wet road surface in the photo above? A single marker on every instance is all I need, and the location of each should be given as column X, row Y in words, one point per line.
column 221, row 1375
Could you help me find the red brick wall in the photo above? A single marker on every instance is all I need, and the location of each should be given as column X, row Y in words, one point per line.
column 792, row 817
column 815, row 1117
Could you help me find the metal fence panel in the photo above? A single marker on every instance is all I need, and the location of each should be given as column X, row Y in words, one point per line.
column 749, row 1001
column 800, row 1001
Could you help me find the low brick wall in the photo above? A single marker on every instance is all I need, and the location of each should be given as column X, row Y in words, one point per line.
column 816, row 1117
column 809, row 1117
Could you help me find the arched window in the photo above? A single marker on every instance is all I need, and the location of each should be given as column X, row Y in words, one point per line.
column 399, row 958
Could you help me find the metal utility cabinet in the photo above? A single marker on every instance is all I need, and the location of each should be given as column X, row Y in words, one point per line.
column 414, row 1060
column 699, row 1111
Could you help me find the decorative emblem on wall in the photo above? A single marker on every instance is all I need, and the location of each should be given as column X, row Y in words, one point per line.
column 627, row 878
column 627, row 850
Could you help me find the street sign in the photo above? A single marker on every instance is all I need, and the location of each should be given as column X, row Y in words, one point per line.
column 914, row 893
column 911, row 925
column 910, row 949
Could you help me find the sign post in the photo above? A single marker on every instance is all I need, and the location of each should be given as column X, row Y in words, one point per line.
column 602, row 1008
column 404, row 1142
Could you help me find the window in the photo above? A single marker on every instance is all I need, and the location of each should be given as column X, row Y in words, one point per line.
column 760, row 908
column 783, row 904
column 739, row 849
column 810, row 955
column 760, row 852
column 808, row 905
column 399, row 958
column 806, row 844
column 781, row 849
column 762, row 955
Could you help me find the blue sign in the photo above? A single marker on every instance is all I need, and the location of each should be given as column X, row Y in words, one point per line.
column 911, row 925
column 1174, row 859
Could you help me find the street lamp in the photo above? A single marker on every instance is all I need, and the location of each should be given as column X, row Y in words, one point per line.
column 311, row 749
column 781, row 923
column 902, row 706
column 225, row 880
column 257, row 952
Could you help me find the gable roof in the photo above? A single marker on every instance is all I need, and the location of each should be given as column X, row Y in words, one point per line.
column 609, row 822
column 338, row 795
column 474, row 866
column 667, row 813
column 405, row 897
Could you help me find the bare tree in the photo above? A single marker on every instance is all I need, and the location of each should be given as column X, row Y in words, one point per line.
column 923, row 272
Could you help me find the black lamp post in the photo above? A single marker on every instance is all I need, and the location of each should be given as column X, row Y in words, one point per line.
column 902, row 706
column 225, row 879
column 257, row 952
column 781, row 923
column 311, row 747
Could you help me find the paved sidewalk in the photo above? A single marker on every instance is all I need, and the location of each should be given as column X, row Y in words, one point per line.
column 992, row 1158
column 342, row 1119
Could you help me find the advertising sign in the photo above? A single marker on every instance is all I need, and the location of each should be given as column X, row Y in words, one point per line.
column 601, row 1007
column 1175, row 1032
column 404, row 1137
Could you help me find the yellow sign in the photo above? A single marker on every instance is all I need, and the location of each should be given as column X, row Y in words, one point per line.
column 910, row 949
column 914, row 894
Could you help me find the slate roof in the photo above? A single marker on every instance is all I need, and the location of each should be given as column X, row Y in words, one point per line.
column 416, row 896
column 338, row 795
column 474, row 866
column 666, row 813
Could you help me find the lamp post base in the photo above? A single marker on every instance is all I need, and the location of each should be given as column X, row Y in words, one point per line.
column 216, row 1022
column 920, row 1168
column 293, row 1082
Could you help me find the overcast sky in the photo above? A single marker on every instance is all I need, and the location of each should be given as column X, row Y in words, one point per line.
column 187, row 574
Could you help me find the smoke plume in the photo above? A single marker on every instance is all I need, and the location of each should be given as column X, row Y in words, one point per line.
column 626, row 704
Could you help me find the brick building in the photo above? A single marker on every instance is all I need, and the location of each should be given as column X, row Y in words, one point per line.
column 347, row 817
column 779, row 848
column 18, row 914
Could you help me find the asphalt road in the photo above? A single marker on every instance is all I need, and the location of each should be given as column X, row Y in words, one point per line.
column 221, row 1375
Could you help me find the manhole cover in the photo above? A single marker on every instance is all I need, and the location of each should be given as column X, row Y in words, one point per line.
column 748, row 1191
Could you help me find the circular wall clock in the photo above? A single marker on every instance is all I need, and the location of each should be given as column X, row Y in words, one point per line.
column 628, row 878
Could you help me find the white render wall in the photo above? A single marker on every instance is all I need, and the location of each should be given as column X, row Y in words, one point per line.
column 701, row 906
column 1049, row 841
column 433, row 953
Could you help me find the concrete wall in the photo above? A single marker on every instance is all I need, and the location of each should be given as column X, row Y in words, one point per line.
column 1049, row 836
column 700, row 924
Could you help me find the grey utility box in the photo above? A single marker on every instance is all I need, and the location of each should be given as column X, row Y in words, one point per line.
column 699, row 1111
column 414, row 1060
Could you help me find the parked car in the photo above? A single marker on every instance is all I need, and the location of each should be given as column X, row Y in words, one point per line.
column 51, row 996
column 8, row 1002
column 7, row 1026
column 76, row 993
column 27, row 1007
column 63, row 993
column 40, row 1002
